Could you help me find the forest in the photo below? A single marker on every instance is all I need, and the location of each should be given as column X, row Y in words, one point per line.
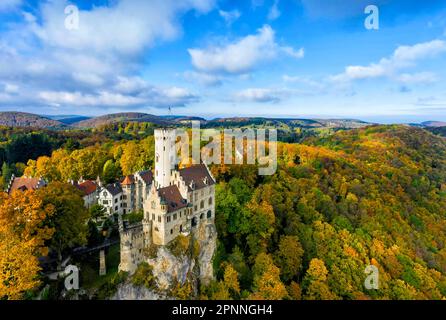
column 337, row 203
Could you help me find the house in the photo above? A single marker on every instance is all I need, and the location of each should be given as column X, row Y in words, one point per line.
column 89, row 190
column 24, row 183
column 110, row 197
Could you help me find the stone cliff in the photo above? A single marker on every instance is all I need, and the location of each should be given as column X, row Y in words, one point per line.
column 174, row 269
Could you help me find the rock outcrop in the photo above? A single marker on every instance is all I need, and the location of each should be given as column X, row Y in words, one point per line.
column 170, row 270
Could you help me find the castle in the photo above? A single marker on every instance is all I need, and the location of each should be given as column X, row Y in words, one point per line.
column 174, row 201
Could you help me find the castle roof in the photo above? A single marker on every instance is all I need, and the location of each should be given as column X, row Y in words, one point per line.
column 147, row 176
column 114, row 188
column 198, row 175
column 87, row 187
column 128, row 180
column 25, row 183
column 172, row 197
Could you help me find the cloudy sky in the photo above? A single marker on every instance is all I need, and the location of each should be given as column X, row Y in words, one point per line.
column 299, row 58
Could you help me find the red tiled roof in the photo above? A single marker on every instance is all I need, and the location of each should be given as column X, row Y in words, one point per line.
column 172, row 197
column 87, row 187
column 24, row 183
column 198, row 174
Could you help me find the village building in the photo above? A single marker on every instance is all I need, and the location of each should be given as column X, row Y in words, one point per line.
column 110, row 197
column 89, row 191
column 24, row 183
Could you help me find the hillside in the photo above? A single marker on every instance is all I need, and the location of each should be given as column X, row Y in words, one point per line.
column 134, row 117
column 337, row 204
column 286, row 122
column 67, row 119
column 433, row 123
column 22, row 119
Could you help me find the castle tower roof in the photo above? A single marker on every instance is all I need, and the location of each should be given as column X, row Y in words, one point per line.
column 128, row 180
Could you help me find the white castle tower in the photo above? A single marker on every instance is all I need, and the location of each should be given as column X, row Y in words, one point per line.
column 165, row 156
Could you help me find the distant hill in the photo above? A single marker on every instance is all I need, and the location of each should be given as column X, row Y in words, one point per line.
column 287, row 122
column 135, row 117
column 433, row 124
column 67, row 119
column 122, row 117
column 22, row 119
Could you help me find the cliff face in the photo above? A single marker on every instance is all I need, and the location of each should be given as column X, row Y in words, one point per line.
column 127, row 291
column 172, row 270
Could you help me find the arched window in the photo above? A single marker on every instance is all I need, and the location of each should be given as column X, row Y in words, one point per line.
column 209, row 214
column 210, row 201
column 201, row 216
column 202, row 204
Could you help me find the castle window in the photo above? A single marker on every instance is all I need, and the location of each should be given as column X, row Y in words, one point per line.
column 174, row 216
column 159, row 218
column 105, row 202
column 116, row 208
column 168, row 218
column 195, row 208
column 209, row 214
column 210, row 200
column 116, row 200
column 171, row 231
column 202, row 204
column 181, row 228
column 201, row 216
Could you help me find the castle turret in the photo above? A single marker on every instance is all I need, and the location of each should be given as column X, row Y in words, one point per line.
column 165, row 156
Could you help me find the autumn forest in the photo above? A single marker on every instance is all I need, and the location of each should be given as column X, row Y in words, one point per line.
column 340, row 201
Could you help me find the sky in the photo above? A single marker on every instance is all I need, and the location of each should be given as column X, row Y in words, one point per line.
column 210, row 58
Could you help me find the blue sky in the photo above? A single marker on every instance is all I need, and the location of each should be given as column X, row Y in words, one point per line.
column 295, row 58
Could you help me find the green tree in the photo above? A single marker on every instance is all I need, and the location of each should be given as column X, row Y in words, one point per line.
column 70, row 217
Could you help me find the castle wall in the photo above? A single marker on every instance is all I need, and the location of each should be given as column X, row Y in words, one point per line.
column 134, row 239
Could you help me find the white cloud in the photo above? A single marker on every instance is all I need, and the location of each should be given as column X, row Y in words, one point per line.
column 11, row 88
column 421, row 77
column 402, row 58
column 293, row 53
column 230, row 16
column 7, row 5
column 98, row 63
column 204, row 78
column 241, row 56
column 153, row 97
column 258, row 95
column 303, row 80
column 274, row 11
column 110, row 28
